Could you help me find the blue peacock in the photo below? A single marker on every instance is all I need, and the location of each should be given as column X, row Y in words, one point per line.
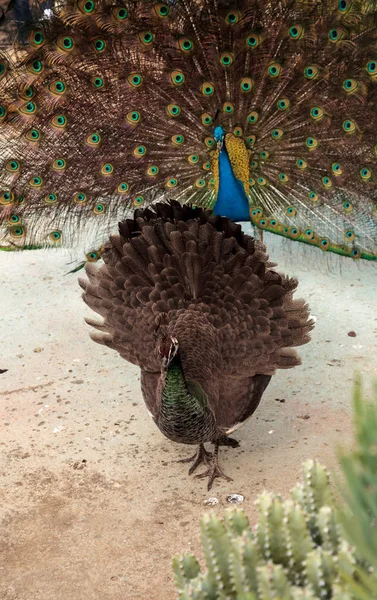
column 262, row 110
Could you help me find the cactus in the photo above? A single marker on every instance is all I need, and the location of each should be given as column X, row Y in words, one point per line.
column 296, row 551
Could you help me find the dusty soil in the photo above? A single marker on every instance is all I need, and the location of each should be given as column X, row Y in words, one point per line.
column 93, row 502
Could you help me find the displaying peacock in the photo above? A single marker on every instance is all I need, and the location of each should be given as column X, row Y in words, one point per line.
column 260, row 109
column 194, row 302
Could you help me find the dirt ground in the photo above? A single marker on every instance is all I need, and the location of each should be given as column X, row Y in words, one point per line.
column 93, row 504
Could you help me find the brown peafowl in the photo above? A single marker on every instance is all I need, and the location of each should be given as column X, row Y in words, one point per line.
column 260, row 109
column 194, row 302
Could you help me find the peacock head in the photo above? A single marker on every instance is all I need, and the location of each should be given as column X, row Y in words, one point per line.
column 168, row 349
column 219, row 135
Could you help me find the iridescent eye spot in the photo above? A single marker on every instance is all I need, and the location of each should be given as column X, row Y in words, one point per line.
column 246, row 85
column 178, row 140
column 17, row 232
column 6, row 198
column 253, row 117
column 79, row 198
column 36, row 181
column 313, row 196
column 94, row 139
column 185, row 45
column 226, row 59
column 253, row 40
column 296, row 32
column 138, row 200
column 311, row 143
column 99, row 209
column 207, row 89
column 177, row 77
column 264, row 155
column 277, row 134
column 51, row 198
column 100, row 45
column 350, row 85
column 59, row 121
column 135, row 80
column 172, row 183
column 133, row 117
column 123, row 188
column 283, row 177
column 336, row 34
column 262, row 181
column 140, row 151
column 283, row 104
column 193, row 159
column 33, row 135
column 200, row 183
column 326, row 181
column 161, row 10
column 146, row 38
column 347, row 206
column 311, row 72
column 98, row 82
column 324, row 243
column 238, row 131
column 250, row 140
column 349, row 126
column 228, row 108
column 209, row 142
column 365, row 174
column 349, row 235
column 14, row 219
column 12, row 166
column 59, row 164
column 301, row 164
column 291, row 211
column 309, row 234
column 336, row 168
column 173, row 110
column 55, row 236
column 3, row 112
column 316, row 113
column 206, row 119
column 153, row 170
column 274, row 70
column 107, row 169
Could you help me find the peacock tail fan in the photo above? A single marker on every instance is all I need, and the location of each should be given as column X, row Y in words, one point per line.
column 259, row 109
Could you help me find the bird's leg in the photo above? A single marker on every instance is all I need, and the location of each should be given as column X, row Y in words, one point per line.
column 200, row 456
column 214, row 470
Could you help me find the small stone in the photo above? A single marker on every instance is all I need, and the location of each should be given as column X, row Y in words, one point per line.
column 351, row 334
column 211, row 502
column 39, row 349
column 235, row 498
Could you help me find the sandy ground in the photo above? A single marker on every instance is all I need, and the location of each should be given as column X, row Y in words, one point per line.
column 93, row 504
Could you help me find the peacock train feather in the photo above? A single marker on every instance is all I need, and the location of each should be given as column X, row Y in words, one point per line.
column 259, row 109
column 194, row 302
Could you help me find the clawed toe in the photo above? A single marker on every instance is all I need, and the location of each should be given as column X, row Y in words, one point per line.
column 201, row 456
column 212, row 473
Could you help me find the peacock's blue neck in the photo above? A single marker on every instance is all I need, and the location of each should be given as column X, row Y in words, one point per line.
column 231, row 200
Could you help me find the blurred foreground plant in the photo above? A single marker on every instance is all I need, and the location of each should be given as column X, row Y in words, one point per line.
column 303, row 547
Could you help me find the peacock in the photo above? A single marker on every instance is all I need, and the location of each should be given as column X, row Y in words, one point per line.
column 193, row 301
column 261, row 110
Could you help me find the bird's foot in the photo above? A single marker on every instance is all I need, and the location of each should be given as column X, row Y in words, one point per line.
column 200, row 456
column 227, row 441
column 212, row 473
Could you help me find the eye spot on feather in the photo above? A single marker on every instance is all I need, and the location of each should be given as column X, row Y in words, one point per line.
column 178, row 139
column 171, row 183
column 251, row 140
column 347, row 206
column 33, row 135
column 283, row 104
column 123, row 188
column 177, row 78
column 133, row 117
column 65, row 43
column 238, row 131
column 93, row 257
column 153, row 171
column 3, row 113
column 36, row 182
column 253, row 117
column 161, row 10
column 57, row 88
column 296, row 32
column 146, row 38
column 135, row 80
column 99, row 45
column 200, row 183
column 311, row 143
column 309, row 234
column 313, row 196
column 6, row 198
column 291, row 211
column 283, row 178
column 94, row 140
column 336, row 169
column 107, row 169
column 30, row 108
column 277, row 134
column 336, row 34
column 349, row 126
column 317, row 113
column 326, row 182
column 256, row 213
column 119, row 13
column 365, row 174
column 59, row 121
column 173, row 110
column 207, row 88
column 262, row 181
column 344, row 6
column 311, row 72
column 264, row 155
column 79, row 198
column 324, row 243
column 349, row 235
column 138, row 200
column 193, row 159
column 14, row 220
column 253, row 41
column 87, row 7
column 301, row 163
column 228, row 108
column 372, row 68
column 274, row 70
column 226, row 59
column 35, row 67
column 36, row 38
column 55, row 236
column 17, row 231
column 206, row 119
column 13, row 166
column 140, row 151
column 59, row 164
column 355, row 253
column 99, row 209
column 3, row 68
column 186, row 45
column 254, row 164
column 350, row 86
column 50, row 198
